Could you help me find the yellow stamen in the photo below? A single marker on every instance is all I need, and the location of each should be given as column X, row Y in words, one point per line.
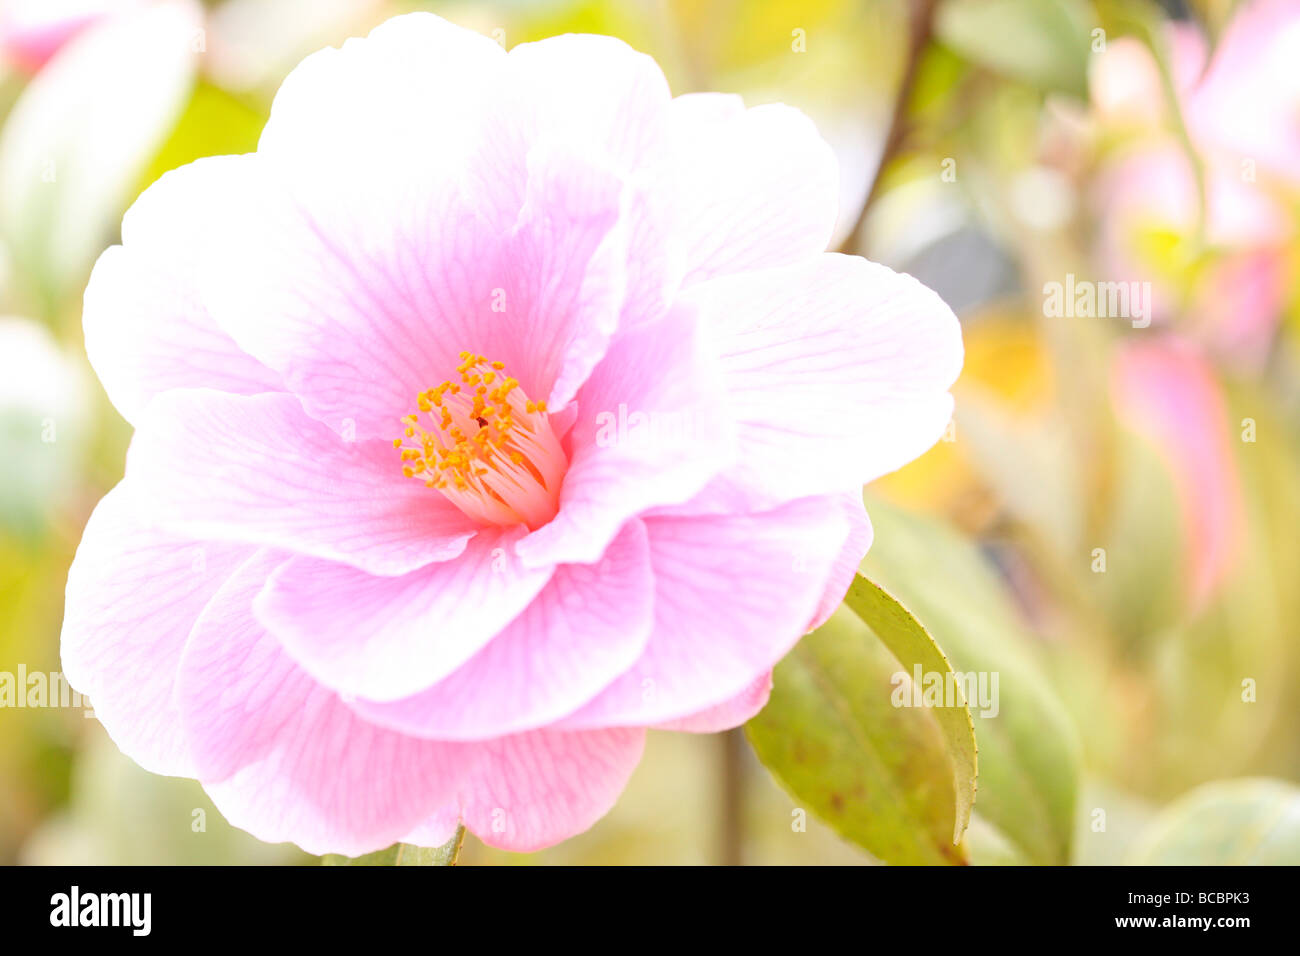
column 492, row 452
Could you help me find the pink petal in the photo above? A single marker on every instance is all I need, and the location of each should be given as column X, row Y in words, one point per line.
column 1239, row 297
column 1157, row 186
column 283, row 757
column 1124, row 81
column 405, row 102
column 386, row 638
column 533, row 790
column 588, row 625
column 732, row 595
column 754, row 188
column 647, row 433
column 257, row 469
column 388, row 250
column 32, row 31
column 837, row 371
column 359, row 302
column 548, row 93
column 562, row 276
column 1242, row 303
column 361, row 305
column 728, row 714
column 344, row 114
column 370, row 265
column 845, row 566
column 624, row 114
column 1248, row 104
column 133, row 595
column 546, row 100
column 146, row 329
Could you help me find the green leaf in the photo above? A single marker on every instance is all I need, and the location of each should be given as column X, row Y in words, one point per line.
column 877, row 773
column 403, row 854
column 1251, row 822
column 1042, row 42
column 1028, row 750
column 908, row 641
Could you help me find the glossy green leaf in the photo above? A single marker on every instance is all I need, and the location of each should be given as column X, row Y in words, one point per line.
column 877, row 773
column 1028, row 750
column 908, row 641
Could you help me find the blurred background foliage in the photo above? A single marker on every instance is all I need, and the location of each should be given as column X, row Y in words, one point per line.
column 1110, row 524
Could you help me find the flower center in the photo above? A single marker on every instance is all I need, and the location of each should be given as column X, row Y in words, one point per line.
column 485, row 445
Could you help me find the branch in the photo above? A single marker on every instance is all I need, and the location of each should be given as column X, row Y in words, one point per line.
column 920, row 30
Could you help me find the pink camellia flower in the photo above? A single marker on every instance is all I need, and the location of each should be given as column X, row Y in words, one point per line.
column 1227, row 271
column 1229, row 294
column 1248, row 102
column 1124, row 84
column 498, row 408
column 1243, row 102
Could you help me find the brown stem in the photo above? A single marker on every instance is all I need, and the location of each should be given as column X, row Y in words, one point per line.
column 920, row 29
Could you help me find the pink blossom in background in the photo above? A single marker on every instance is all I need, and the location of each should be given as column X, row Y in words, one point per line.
column 1232, row 296
column 1124, row 86
column 1243, row 103
column 1247, row 105
column 1242, row 112
column 32, row 31
column 1168, row 393
column 498, row 408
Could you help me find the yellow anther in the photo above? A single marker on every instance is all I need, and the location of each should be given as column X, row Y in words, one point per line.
column 470, row 450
